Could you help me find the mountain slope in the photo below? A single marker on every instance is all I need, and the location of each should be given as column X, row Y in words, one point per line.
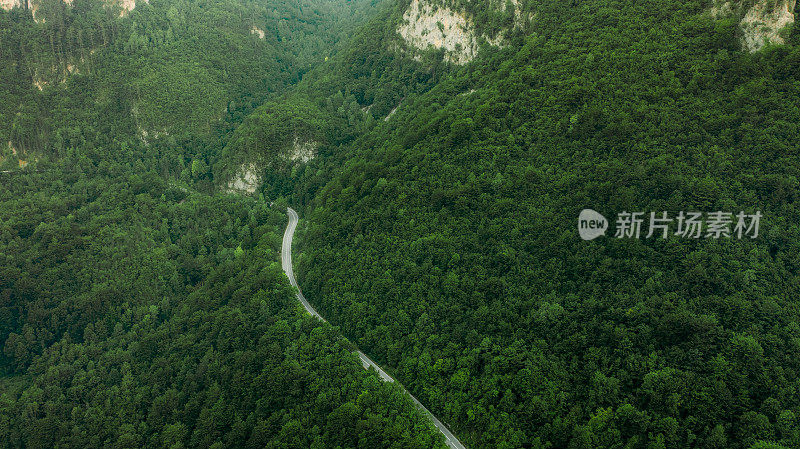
column 443, row 238
column 169, row 73
column 136, row 314
column 135, row 310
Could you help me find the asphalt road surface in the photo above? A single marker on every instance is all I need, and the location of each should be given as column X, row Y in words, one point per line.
column 286, row 262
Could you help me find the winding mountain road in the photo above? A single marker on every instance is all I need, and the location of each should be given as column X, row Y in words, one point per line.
column 286, row 262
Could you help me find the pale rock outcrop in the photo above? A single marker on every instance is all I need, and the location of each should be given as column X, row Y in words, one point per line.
column 45, row 77
column 721, row 9
column 21, row 163
column 34, row 7
column 763, row 22
column 126, row 6
column 7, row 152
column 439, row 27
column 9, row 4
column 760, row 22
column 145, row 135
column 302, row 151
column 394, row 110
column 257, row 31
column 521, row 18
column 246, row 179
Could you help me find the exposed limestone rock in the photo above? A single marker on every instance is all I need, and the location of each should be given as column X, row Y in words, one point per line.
column 39, row 83
column 521, row 18
column 302, row 151
column 55, row 75
column 9, row 4
column 125, row 5
column 761, row 22
column 257, row 31
column 21, row 163
column 246, row 180
column 721, row 9
column 434, row 26
column 144, row 135
column 391, row 113
column 439, row 27
column 7, row 152
column 128, row 5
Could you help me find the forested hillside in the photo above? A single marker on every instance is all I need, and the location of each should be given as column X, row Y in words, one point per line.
column 442, row 237
column 140, row 307
column 173, row 75
column 137, row 314
column 440, row 153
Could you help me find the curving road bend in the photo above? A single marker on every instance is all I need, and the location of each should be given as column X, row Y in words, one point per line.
column 286, row 262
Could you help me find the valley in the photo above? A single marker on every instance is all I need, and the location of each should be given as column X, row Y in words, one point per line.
column 439, row 153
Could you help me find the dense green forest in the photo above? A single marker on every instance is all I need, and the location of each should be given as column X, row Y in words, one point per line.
column 439, row 202
column 140, row 307
column 139, row 314
column 442, row 240
column 172, row 75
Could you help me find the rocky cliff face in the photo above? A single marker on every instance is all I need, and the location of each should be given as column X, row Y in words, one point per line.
column 761, row 22
column 245, row 180
column 426, row 25
column 441, row 28
column 254, row 30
